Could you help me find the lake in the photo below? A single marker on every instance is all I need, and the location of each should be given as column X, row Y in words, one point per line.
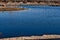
column 37, row 20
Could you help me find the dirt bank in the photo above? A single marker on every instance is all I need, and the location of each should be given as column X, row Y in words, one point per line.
column 10, row 9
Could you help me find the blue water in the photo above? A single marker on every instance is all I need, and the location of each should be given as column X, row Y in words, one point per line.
column 37, row 20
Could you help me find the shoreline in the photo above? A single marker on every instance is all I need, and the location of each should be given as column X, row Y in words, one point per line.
column 10, row 9
column 33, row 37
column 34, row 3
column 30, row 3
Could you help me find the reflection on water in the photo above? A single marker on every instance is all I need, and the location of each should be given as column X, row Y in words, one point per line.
column 37, row 20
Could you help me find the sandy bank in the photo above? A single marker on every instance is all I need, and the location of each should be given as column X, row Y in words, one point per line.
column 33, row 37
column 10, row 9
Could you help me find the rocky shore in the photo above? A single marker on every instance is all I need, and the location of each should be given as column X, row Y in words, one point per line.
column 33, row 37
column 34, row 3
column 31, row 3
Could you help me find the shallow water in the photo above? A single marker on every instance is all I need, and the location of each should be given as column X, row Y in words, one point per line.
column 37, row 20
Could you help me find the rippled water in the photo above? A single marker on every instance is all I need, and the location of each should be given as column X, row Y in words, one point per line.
column 37, row 20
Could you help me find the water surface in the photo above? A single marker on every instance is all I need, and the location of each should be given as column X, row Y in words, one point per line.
column 37, row 20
